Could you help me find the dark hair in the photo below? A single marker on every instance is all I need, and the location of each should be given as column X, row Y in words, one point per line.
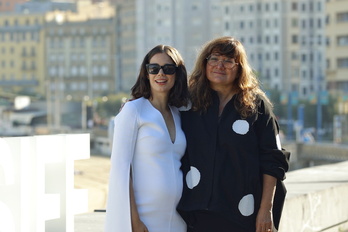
column 178, row 95
column 246, row 83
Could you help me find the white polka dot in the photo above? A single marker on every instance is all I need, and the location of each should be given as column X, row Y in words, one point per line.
column 278, row 142
column 240, row 127
column 193, row 177
column 246, row 205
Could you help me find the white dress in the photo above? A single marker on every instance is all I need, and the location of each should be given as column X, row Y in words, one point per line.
column 141, row 140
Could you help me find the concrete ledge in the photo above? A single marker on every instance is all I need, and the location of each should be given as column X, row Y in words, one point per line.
column 317, row 199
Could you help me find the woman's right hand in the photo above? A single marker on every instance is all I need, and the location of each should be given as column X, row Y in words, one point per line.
column 139, row 226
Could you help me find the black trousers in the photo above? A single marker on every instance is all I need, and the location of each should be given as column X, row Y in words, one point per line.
column 207, row 221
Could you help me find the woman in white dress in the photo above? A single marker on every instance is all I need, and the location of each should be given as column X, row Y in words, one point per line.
column 145, row 182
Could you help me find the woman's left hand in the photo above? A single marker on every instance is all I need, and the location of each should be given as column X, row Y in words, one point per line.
column 264, row 221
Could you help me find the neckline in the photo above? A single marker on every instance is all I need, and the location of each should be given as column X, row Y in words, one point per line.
column 164, row 121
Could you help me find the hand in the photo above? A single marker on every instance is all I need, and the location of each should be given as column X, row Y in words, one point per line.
column 264, row 222
column 139, row 226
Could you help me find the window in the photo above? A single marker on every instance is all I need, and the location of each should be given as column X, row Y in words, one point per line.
column 319, row 6
column 342, row 40
column 294, row 6
column 241, row 25
column 319, row 23
column 342, row 17
column 303, row 24
column 276, row 56
column 294, row 39
column 294, row 56
column 342, row 62
column 294, row 22
column 227, row 26
column 303, row 7
column 303, row 58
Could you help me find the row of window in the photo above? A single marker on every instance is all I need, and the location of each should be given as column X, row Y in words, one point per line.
column 81, row 86
column 26, row 51
column 294, row 39
column 27, row 22
column 78, row 57
column 78, row 42
column 77, row 31
column 309, row 6
column 78, row 71
column 24, row 66
column 25, row 77
column 19, row 36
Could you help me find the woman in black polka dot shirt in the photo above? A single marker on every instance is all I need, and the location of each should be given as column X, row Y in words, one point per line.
column 234, row 164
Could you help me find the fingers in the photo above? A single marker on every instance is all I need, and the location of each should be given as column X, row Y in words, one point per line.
column 264, row 227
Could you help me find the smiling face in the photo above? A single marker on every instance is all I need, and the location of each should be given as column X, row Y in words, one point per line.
column 221, row 71
column 161, row 82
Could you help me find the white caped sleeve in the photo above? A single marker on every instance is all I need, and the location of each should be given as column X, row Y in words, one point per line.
column 118, row 213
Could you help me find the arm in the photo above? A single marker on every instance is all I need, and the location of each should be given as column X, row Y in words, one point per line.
column 137, row 224
column 264, row 218
column 273, row 165
column 118, row 208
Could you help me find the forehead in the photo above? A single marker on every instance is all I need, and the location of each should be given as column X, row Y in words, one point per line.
column 161, row 59
column 221, row 55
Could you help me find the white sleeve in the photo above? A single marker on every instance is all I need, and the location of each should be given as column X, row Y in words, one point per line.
column 118, row 214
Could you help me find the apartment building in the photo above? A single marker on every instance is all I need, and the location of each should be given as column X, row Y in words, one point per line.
column 337, row 46
column 285, row 41
column 22, row 53
column 80, row 53
column 127, row 68
column 186, row 25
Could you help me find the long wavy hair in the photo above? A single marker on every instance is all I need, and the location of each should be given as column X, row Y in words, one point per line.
column 178, row 95
column 246, row 83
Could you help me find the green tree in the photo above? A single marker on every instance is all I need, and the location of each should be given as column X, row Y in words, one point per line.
column 109, row 106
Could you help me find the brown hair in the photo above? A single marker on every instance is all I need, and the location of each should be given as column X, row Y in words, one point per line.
column 246, row 84
column 178, row 95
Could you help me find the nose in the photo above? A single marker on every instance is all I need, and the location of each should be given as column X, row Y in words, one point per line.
column 220, row 64
column 161, row 71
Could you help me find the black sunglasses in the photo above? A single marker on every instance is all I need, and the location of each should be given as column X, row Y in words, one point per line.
column 155, row 68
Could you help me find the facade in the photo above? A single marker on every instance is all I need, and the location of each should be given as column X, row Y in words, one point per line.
column 141, row 25
column 186, row 25
column 127, row 68
column 80, row 50
column 285, row 41
column 258, row 25
column 22, row 53
column 337, row 46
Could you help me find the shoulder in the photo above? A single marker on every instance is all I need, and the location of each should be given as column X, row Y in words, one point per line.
column 133, row 106
column 264, row 104
column 186, row 108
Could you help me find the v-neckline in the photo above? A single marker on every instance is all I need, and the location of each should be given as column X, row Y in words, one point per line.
column 164, row 121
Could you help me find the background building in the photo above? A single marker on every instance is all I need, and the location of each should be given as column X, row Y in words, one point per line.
column 337, row 52
column 22, row 53
column 9, row 5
